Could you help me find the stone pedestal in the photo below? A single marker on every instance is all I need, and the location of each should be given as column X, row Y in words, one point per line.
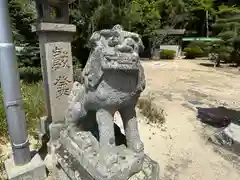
column 56, row 61
column 81, row 158
column 70, row 169
column 35, row 169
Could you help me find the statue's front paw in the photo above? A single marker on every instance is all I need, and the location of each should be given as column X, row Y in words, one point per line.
column 111, row 159
column 75, row 112
column 138, row 146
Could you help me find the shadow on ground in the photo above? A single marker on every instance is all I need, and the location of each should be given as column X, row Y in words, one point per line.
column 218, row 116
column 207, row 64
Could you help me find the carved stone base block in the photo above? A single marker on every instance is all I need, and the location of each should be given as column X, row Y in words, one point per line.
column 35, row 169
column 117, row 163
column 81, row 158
column 70, row 169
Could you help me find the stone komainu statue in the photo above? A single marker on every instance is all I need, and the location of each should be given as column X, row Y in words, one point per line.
column 113, row 81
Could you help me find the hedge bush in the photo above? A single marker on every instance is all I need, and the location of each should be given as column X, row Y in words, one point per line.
column 30, row 74
column 167, row 54
column 193, row 52
column 205, row 47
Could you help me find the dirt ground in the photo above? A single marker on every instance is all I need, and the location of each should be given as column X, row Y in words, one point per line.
column 181, row 146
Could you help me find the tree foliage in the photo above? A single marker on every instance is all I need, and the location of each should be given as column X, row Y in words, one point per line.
column 90, row 16
column 145, row 17
column 227, row 28
column 22, row 16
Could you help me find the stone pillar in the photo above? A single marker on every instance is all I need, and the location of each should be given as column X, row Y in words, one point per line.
column 56, row 61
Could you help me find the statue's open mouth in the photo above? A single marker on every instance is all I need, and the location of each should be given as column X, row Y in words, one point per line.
column 121, row 62
column 121, row 59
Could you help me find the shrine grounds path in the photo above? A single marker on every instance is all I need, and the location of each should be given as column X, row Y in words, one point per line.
column 181, row 145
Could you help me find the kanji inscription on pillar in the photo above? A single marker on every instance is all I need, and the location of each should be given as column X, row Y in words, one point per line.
column 62, row 86
column 60, row 58
column 59, row 77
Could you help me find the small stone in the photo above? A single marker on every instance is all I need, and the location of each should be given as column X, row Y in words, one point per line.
column 111, row 159
column 77, row 175
column 66, row 164
column 112, row 141
column 93, row 162
column 103, row 171
column 65, row 156
column 148, row 170
column 94, row 153
column 122, row 157
column 88, row 141
column 78, row 133
column 140, row 175
column 87, row 144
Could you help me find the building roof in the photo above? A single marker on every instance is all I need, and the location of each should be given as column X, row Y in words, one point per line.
column 201, row 39
column 171, row 31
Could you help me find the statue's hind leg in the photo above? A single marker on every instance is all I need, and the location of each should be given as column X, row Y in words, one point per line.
column 106, row 128
column 129, row 119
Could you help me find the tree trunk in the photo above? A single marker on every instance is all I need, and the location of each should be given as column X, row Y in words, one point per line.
column 217, row 63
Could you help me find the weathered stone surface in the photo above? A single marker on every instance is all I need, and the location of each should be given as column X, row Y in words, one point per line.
column 113, row 81
column 56, row 27
column 56, row 63
column 54, row 129
column 233, row 132
column 229, row 137
column 150, row 170
column 60, row 77
column 71, row 169
column 70, row 166
column 117, row 163
column 35, row 169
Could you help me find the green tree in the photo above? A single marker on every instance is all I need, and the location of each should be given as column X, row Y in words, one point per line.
column 202, row 14
column 184, row 14
column 227, row 28
column 143, row 17
column 22, row 13
column 90, row 16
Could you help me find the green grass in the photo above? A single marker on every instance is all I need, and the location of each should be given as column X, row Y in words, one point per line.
column 32, row 95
